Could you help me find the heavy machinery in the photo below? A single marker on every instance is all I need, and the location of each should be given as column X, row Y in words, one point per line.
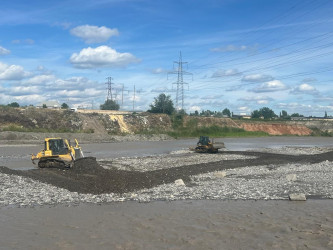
column 205, row 145
column 57, row 153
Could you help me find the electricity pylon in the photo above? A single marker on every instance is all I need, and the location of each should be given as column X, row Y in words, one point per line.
column 180, row 82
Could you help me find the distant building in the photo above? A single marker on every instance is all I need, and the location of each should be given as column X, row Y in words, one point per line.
column 49, row 105
column 312, row 118
column 241, row 116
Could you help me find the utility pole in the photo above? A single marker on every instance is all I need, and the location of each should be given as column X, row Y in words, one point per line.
column 134, row 98
column 122, row 95
column 180, row 83
column 109, row 88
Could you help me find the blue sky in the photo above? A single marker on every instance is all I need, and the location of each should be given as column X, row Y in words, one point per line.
column 243, row 55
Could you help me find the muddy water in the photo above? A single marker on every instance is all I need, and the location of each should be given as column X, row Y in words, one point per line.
column 171, row 225
column 18, row 156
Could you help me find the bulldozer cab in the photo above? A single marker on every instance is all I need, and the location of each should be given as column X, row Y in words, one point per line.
column 203, row 140
column 57, row 146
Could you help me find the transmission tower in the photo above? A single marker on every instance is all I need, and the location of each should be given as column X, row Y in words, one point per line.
column 109, row 88
column 180, row 83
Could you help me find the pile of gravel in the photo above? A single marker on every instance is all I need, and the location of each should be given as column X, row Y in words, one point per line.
column 291, row 150
column 175, row 159
column 255, row 182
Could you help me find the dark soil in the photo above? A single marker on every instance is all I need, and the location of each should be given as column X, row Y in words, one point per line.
column 87, row 176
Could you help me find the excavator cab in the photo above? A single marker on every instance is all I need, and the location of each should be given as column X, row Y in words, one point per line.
column 57, row 146
column 203, row 141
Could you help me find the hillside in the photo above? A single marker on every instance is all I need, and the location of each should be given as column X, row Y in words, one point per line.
column 105, row 123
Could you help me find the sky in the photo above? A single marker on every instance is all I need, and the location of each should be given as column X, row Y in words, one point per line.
column 237, row 54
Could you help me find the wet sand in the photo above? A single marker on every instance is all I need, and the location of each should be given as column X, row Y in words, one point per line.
column 171, row 225
column 181, row 224
column 17, row 156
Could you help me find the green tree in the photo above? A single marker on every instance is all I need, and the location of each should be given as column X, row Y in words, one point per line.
column 267, row 113
column 162, row 104
column 255, row 114
column 64, row 106
column 44, row 106
column 14, row 105
column 325, row 115
column 226, row 112
column 109, row 105
column 296, row 115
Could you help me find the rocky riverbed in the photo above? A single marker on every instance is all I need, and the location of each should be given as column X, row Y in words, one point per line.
column 181, row 175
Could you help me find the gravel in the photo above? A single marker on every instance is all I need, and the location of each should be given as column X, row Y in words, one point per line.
column 175, row 159
column 264, row 182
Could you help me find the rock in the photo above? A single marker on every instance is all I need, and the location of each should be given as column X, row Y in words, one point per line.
column 179, row 182
column 291, row 177
column 220, row 174
column 297, row 197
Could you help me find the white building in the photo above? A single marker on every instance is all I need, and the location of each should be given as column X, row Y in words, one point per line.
column 49, row 105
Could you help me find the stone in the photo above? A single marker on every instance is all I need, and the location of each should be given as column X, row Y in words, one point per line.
column 291, row 177
column 179, row 182
column 220, row 174
column 297, row 197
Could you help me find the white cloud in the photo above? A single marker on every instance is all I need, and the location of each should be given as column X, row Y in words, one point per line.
column 4, row 51
column 242, row 110
column 194, row 108
column 257, row 99
column 305, row 109
column 102, row 56
column 304, row 88
column 212, row 103
column 93, row 34
column 162, row 90
column 228, row 72
column 21, row 91
column 158, row 71
column 257, row 78
column 41, row 79
column 12, row 72
column 270, row 86
column 211, row 97
column 91, row 92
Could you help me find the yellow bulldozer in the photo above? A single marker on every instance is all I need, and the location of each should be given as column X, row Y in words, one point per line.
column 57, row 153
column 205, row 145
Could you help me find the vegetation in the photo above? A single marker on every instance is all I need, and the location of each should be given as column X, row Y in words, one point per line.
column 264, row 112
column 162, row 104
column 16, row 128
column 318, row 132
column 14, row 105
column 213, row 131
column 64, row 106
column 109, row 105
column 226, row 112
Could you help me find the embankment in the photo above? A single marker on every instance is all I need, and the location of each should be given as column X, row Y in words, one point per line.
column 107, row 125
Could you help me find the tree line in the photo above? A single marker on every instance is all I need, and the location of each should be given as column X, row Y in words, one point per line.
column 163, row 104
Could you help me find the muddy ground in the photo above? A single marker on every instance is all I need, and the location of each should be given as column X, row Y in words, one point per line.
column 229, row 200
column 88, row 176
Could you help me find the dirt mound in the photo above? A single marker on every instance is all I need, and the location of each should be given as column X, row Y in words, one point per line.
column 277, row 129
column 87, row 164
